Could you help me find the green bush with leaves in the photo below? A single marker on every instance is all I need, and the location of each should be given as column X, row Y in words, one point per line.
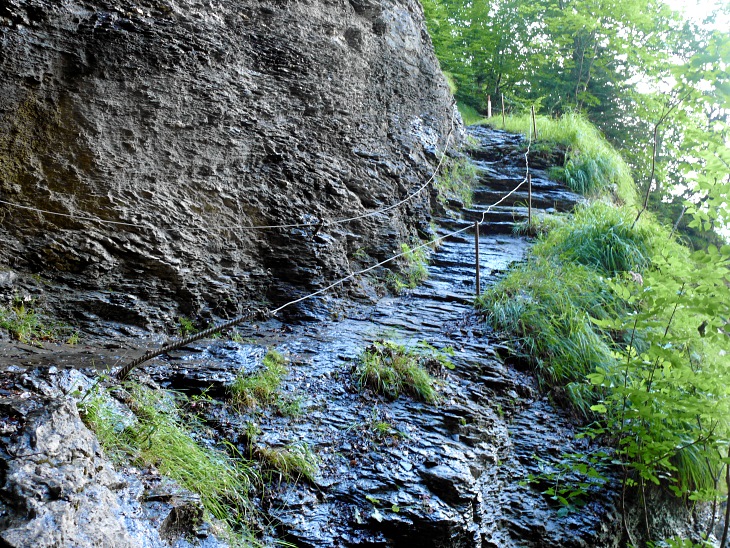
column 667, row 398
column 392, row 369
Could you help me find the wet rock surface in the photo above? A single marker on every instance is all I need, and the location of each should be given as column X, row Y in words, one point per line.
column 57, row 489
column 391, row 473
column 183, row 121
column 402, row 472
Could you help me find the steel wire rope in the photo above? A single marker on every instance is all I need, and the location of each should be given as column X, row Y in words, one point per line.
column 123, row 372
column 256, row 227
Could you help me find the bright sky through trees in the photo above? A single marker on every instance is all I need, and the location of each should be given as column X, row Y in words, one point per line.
column 701, row 10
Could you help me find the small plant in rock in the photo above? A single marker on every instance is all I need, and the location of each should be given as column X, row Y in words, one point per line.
column 261, row 388
column 289, row 406
column 392, row 369
column 360, row 254
column 24, row 323
column 185, row 326
column 381, row 428
column 291, row 463
column 150, row 429
column 570, row 481
column 414, row 272
column 456, row 181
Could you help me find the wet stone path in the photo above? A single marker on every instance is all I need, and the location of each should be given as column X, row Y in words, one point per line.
column 406, row 473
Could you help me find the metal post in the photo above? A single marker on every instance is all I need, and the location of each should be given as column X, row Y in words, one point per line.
column 476, row 252
column 529, row 200
column 534, row 122
column 489, row 106
column 503, row 124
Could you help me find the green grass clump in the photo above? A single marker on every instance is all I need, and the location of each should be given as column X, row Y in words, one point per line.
column 545, row 307
column 469, row 114
column 158, row 434
column 548, row 304
column 261, row 388
column 291, row 463
column 25, row 324
column 602, row 236
column 392, row 369
column 414, row 271
column 592, row 166
column 456, row 181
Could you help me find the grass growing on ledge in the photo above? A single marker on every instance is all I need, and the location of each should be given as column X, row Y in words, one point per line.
column 592, row 166
column 392, row 369
column 456, row 181
column 291, row 463
column 158, row 434
column 614, row 319
column 413, row 273
column 549, row 305
column 469, row 114
column 545, row 307
column 261, row 388
column 603, row 236
column 24, row 323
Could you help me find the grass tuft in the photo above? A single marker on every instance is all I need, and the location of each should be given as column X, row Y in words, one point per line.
column 291, row 463
column 392, row 369
column 261, row 388
column 456, row 181
column 24, row 323
column 156, row 433
column 602, row 236
column 545, row 307
column 469, row 114
column 414, row 271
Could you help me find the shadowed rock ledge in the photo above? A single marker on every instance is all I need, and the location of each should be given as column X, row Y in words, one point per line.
column 181, row 117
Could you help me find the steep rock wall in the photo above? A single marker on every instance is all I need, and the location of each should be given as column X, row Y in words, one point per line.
column 184, row 117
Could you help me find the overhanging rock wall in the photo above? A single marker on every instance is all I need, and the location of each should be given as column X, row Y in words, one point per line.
column 188, row 118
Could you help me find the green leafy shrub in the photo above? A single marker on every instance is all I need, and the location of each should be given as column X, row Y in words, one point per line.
column 392, row 369
column 185, row 326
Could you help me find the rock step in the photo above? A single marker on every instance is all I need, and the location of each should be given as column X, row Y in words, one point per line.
column 497, row 227
column 505, row 184
column 558, row 199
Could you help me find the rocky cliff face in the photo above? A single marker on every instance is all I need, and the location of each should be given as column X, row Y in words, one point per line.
column 182, row 121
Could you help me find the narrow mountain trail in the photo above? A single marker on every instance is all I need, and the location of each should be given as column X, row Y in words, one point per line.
column 469, row 471
column 403, row 472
